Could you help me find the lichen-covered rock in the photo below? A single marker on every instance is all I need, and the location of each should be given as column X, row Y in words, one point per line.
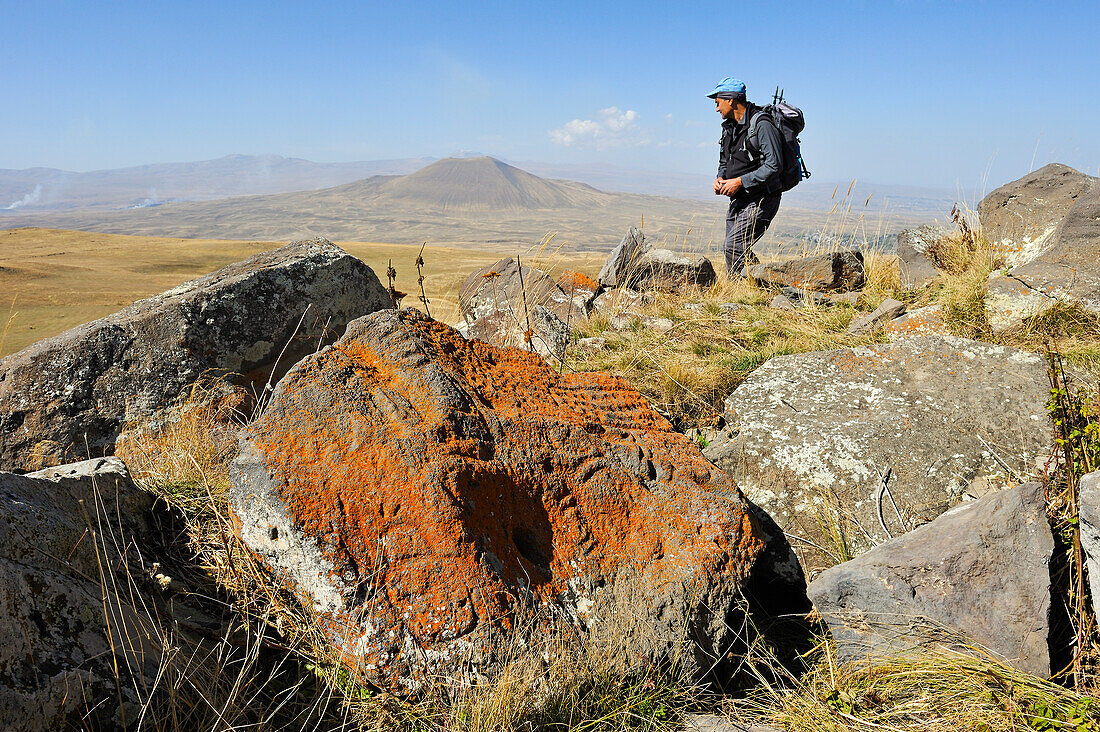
column 430, row 495
column 915, row 247
column 1024, row 218
column 664, row 269
column 623, row 258
column 979, row 574
column 75, row 629
column 833, row 272
column 580, row 287
column 813, row 435
column 1047, row 227
column 69, row 396
column 922, row 321
column 883, row 314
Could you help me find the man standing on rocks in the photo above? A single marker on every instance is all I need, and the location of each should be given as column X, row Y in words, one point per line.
column 749, row 162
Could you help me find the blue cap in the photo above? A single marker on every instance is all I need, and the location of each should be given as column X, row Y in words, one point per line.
column 728, row 87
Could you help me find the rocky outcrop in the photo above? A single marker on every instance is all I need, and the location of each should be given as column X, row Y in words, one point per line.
column 616, row 302
column 663, row 269
column 843, row 436
column 928, row 320
column 979, row 573
column 622, row 260
column 1047, row 227
column 1027, row 217
column 915, row 247
column 427, row 493
column 635, row 263
column 77, row 644
column 514, row 306
column 837, row 271
column 1088, row 503
column 69, row 396
column 888, row 310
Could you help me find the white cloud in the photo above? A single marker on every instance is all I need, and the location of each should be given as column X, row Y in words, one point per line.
column 613, row 128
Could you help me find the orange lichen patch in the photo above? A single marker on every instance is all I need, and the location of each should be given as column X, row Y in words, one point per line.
column 572, row 281
column 449, row 481
column 925, row 321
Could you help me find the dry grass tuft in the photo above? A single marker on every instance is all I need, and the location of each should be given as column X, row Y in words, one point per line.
column 687, row 371
column 935, row 691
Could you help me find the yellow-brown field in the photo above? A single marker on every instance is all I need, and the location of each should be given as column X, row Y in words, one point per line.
column 52, row 280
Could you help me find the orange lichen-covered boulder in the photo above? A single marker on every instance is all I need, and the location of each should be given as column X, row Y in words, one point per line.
column 428, row 495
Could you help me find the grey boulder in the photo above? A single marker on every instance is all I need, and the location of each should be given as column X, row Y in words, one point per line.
column 664, row 269
column 75, row 606
column 915, row 254
column 516, row 306
column 884, row 313
column 1047, row 227
column 422, row 492
column 978, row 574
column 813, row 436
column 623, row 258
column 70, row 396
column 1089, row 511
column 834, row 272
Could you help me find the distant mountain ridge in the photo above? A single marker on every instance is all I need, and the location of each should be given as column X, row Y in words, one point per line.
column 48, row 189
column 478, row 200
column 456, row 185
column 231, row 175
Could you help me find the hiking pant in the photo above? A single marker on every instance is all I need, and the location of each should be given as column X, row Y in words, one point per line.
column 746, row 222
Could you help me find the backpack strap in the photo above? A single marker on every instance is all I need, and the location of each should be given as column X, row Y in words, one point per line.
column 754, row 125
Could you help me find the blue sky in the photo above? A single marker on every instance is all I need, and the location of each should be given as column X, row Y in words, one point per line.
column 961, row 95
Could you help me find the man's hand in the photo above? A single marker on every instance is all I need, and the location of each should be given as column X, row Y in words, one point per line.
column 729, row 187
column 718, row 185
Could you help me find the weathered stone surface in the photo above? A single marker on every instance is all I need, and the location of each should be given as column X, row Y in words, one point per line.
column 1047, row 226
column 781, row 302
column 620, row 263
column 922, row 321
column 1089, row 512
column 616, row 302
column 1024, row 218
column 500, row 304
column 426, row 493
column 664, row 269
column 914, row 260
column 61, row 633
column 804, row 297
column 1010, row 301
column 981, row 571
column 549, row 335
column 503, row 287
column 69, row 396
column 819, row 429
column 883, row 314
column 591, row 345
column 838, row 271
column 712, row 723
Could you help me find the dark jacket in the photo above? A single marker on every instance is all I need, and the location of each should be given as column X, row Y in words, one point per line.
column 756, row 158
